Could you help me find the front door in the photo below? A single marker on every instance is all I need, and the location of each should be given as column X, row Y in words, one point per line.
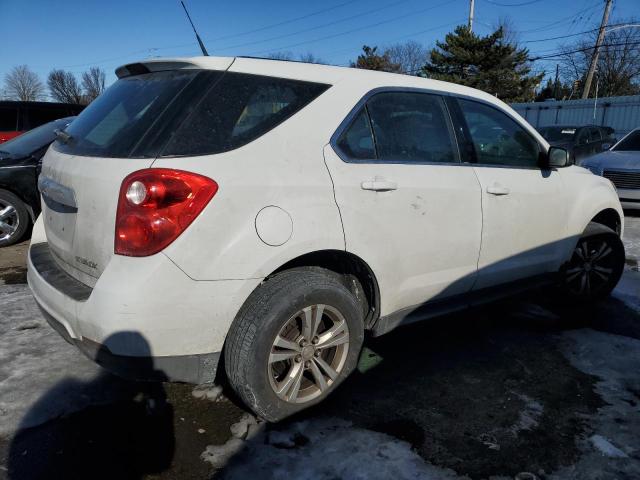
column 524, row 212
column 409, row 208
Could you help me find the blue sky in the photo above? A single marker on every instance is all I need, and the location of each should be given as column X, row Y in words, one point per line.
column 77, row 34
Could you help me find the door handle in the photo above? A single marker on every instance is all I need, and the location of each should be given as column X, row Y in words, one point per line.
column 497, row 189
column 378, row 185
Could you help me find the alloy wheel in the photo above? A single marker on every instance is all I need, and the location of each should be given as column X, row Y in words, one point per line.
column 591, row 267
column 308, row 353
column 9, row 220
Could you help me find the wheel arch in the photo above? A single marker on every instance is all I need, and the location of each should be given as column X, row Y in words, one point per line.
column 355, row 272
column 609, row 217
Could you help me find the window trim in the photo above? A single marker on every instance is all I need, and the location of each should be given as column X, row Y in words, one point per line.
column 346, row 123
column 476, row 163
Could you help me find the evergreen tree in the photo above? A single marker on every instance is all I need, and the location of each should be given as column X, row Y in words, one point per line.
column 488, row 63
column 371, row 60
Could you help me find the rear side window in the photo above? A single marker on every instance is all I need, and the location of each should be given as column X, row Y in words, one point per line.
column 497, row 138
column 8, row 119
column 357, row 140
column 401, row 127
column 411, row 127
column 237, row 110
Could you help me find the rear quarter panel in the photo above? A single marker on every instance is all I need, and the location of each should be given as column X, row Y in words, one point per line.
column 283, row 168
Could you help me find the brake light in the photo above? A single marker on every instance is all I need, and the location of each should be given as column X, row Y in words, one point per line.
column 155, row 206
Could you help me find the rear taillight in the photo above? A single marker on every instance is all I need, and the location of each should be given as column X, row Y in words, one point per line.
column 155, row 206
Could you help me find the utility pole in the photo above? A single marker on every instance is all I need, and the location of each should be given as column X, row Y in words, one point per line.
column 471, row 4
column 596, row 50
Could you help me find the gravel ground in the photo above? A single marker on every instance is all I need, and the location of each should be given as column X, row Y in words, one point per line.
column 521, row 387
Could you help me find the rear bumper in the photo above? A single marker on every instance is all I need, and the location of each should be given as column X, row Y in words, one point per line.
column 144, row 318
column 196, row 369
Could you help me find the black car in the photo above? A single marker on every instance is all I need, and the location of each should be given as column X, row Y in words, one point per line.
column 20, row 161
column 19, row 117
column 581, row 142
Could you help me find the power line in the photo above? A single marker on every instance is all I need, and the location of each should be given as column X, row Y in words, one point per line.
column 530, row 2
column 578, row 50
column 347, row 32
column 351, row 17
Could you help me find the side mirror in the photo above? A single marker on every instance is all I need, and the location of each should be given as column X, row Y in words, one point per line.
column 558, row 158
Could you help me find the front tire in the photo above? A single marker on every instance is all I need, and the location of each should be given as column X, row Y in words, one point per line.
column 596, row 265
column 297, row 337
column 14, row 219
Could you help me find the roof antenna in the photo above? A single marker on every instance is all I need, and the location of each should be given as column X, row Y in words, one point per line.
column 204, row 50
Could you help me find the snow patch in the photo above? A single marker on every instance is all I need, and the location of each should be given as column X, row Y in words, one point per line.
column 606, row 447
column 35, row 360
column 324, row 449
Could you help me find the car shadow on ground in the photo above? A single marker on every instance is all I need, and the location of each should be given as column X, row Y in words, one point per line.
column 486, row 392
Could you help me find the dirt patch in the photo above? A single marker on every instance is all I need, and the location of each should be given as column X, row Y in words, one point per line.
column 13, row 275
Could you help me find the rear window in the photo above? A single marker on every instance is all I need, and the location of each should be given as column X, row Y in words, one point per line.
column 558, row 134
column 183, row 113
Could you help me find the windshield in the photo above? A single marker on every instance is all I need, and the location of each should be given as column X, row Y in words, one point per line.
column 35, row 139
column 558, row 134
column 630, row 143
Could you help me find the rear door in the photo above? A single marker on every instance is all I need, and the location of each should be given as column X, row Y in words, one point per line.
column 116, row 135
column 409, row 207
column 523, row 206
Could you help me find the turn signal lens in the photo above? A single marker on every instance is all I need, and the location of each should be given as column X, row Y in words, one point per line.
column 155, row 206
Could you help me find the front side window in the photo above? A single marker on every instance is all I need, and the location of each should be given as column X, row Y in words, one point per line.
column 497, row 138
column 594, row 134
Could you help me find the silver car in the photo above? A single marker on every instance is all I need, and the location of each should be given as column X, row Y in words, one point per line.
column 621, row 165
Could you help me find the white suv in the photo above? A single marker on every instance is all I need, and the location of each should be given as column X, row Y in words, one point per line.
column 269, row 213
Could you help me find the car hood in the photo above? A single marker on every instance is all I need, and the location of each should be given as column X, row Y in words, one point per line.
column 614, row 160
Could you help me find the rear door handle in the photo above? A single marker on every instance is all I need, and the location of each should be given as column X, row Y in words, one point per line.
column 379, row 185
column 497, row 189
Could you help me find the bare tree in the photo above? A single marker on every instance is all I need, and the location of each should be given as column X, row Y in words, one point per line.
column 411, row 56
column 280, row 56
column 510, row 34
column 23, row 84
column 618, row 69
column 93, row 83
column 311, row 58
column 64, row 86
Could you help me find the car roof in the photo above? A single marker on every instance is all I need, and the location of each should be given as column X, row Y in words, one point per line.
column 312, row 72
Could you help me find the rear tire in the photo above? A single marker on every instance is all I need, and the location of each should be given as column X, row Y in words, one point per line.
column 297, row 337
column 14, row 218
column 596, row 265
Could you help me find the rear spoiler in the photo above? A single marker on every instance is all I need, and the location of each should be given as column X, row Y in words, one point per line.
column 139, row 68
column 160, row 65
